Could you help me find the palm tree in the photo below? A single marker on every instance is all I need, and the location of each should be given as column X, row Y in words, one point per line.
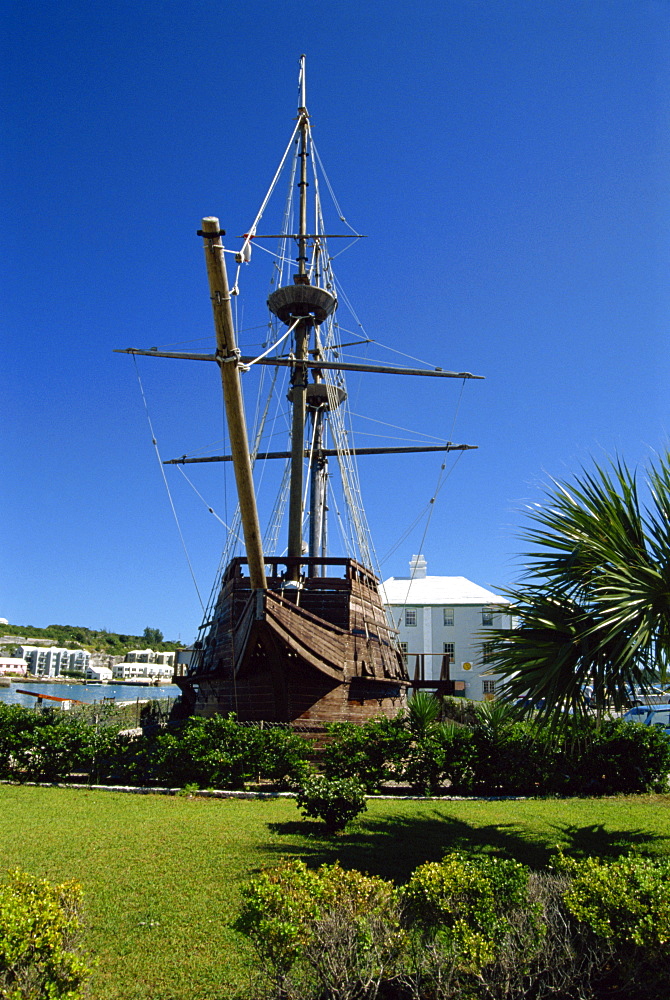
column 593, row 605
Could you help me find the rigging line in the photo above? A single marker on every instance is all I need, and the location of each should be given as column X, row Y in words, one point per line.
column 393, row 365
column 280, row 255
column 167, row 487
column 179, row 343
column 458, row 406
column 276, row 344
column 270, row 190
column 344, row 249
column 402, row 354
column 397, row 427
column 421, row 513
column 393, row 437
column 431, row 504
column 345, row 298
column 210, row 509
column 330, row 189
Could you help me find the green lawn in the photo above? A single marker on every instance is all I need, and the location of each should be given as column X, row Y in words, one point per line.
column 161, row 875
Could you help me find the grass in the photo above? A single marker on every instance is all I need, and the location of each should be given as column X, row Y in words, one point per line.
column 161, row 875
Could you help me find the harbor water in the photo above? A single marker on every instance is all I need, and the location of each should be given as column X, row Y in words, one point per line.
column 88, row 692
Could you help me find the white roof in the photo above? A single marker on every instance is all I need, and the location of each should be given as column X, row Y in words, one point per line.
column 446, row 590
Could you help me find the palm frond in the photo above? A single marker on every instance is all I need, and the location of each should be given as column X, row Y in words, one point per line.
column 593, row 605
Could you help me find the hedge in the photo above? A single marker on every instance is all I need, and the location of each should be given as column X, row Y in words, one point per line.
column 466, row 927
column 496, row 755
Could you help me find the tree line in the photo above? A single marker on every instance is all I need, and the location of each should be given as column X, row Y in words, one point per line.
column 100, row 641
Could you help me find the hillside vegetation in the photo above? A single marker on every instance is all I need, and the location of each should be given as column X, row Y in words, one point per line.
column 114, row 643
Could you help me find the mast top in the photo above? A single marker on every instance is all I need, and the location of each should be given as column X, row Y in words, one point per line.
column 302, row 85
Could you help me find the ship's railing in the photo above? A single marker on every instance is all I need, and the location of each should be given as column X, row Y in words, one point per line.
column 277, row 568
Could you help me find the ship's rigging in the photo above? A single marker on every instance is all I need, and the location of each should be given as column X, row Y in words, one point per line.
column 243, row 634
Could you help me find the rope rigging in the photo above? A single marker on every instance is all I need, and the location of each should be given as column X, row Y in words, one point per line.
column 167, row 487
column 338, row 414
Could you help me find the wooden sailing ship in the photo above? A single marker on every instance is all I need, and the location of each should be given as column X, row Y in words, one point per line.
column 301, row 637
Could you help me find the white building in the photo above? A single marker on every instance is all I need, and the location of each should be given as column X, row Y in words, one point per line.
column 148, row 671
column 94, row 672
column 149, row 656
column 442, row 622
column 54, row 660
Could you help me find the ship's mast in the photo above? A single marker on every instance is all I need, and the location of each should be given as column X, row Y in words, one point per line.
column 299, row 373
column 227, row 355
column 303, row 306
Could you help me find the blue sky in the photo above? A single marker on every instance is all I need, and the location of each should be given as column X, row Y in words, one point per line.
column 508, row 162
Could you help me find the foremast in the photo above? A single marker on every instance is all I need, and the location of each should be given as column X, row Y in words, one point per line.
column 227, row 354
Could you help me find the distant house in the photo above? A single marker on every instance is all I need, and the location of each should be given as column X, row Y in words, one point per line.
column 442, row 622
column 15, row 665
column 95, row 672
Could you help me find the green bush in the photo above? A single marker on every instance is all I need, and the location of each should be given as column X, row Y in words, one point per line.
column 284, row 756
column 445, row 754
column 277, row 908
column 371, row 753
column 480, row 928
column 510, row 757
column 621, row 757
column 330, row 933
column 625, row 904
column 39, row 927
column 462, row 911
column 498, row 755
column 336, row 801
column 423, row 713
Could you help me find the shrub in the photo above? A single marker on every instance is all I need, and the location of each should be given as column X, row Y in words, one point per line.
column 510, row 757
column 371, row 753
column 623, row 757
column 445, row 754
column 423, row 713
column 336, row 801
column 284, row 756
column 465, row 906
column 460, row 710
column 276, row 910
column 467, row 927
column 330, row 933
column 39, row 926
column 214, row 752
column 625, row 904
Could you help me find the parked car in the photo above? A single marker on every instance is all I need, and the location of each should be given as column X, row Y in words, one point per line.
column 650, row 715
column 527, row 704
column 653, row 695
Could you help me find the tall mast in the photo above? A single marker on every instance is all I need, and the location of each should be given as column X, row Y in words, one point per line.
column 227, row 355
column 299, row 374
column 303, row 306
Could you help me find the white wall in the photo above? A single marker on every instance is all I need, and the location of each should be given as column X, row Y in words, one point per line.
column 430, row 634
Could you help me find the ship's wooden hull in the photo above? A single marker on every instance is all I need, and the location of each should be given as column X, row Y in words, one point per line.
column 323, row 652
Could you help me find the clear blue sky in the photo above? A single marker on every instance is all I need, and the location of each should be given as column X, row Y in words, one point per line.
column 509, row 162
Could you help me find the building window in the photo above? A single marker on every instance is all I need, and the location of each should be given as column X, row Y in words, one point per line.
column 410, row 616
column 448, row 650
column 403, row 650
column 487, row 652
column 487, row 616
column 447, row 616
column 489, row 687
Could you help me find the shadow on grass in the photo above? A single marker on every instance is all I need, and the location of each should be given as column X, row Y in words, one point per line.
column 393, row 847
